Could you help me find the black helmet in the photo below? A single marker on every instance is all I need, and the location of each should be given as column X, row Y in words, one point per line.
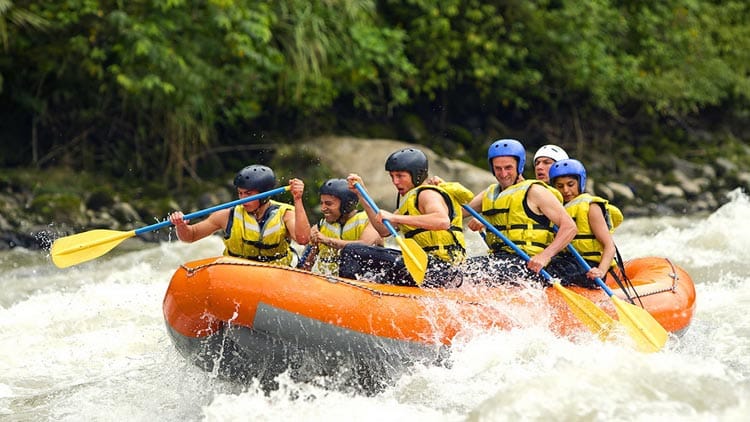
column 256, row 177
column 340, row 189
column 409, row 159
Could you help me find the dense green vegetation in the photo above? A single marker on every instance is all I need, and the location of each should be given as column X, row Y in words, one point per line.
column 162, row 89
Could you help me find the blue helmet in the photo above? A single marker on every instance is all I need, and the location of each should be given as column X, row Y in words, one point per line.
column 410, row 160
column 507, row 147
column 255, row 177
column 340, row 189
column 569, row 167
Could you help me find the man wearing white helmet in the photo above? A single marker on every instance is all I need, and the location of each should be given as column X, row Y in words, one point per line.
column 544, row 158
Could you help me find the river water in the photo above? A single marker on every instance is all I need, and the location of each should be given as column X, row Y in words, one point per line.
column 89, row 343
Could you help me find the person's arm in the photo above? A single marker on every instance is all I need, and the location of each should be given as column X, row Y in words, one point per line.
column 191, row 232
column 542, row 201
column 433, row 213
column 310, row 253
column 476, row 205
column 315, row 234
column 297, row 224
column 601, row 231
column 456, row 190
column 369, row 237
column 308, row 257
column 376, row 222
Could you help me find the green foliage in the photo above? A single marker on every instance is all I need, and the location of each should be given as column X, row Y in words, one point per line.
column 160, row 77
column 62, row 208
column 690, row 54
column 339, row 48
column 141, row 89
column 12, row 18
column 473, row 43
column 578, row 46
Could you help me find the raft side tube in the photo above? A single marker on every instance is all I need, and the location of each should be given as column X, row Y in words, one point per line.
column 665, row 289
column 284, row 341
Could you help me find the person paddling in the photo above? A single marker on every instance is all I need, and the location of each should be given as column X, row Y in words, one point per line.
column 595, row 218
column 429, row 215
column 341, row 225
column 260, row 230
column 525, row 213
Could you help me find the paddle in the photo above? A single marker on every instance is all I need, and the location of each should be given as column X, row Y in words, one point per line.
column 81, row 247
column 593, row 317
column 415, row 258
column 648, row 334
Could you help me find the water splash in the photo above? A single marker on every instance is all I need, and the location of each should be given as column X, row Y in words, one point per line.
column 89, row 343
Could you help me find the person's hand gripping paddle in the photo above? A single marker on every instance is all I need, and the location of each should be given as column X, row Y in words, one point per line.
column 593, row 317
column 415, row 258
column 82, row 247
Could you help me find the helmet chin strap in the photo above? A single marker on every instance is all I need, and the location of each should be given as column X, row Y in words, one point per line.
column 344, row 217
column 259, row 211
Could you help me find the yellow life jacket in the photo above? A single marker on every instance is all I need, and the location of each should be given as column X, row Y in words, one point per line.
column 508, row 211
column 458, row 192
column 247, row 238
column 327, row 261
column 585, row 242
column 447, row 245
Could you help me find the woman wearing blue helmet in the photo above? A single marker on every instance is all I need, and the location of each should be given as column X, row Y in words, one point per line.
column 595, row 223
column 524, row 211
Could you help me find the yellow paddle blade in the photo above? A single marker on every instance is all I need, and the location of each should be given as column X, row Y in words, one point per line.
column 593, row 317
column 648, row 334
column 415, row 258
column 81, row 247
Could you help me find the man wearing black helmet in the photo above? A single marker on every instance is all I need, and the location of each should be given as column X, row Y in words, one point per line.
column 259, row 230
column 341, row 225
column 429, row 214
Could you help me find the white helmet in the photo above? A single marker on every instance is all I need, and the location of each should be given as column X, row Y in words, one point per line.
column 552, row 151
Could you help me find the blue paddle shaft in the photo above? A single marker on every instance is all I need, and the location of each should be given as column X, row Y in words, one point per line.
column 207, row 211
column 507, row 241
column 586, row 266
column 375, row 208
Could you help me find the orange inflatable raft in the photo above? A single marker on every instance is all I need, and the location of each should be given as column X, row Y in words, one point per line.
column 247, row 320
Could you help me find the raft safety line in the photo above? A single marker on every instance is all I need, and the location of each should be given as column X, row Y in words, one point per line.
column 675, row 278
column 334, row 279
column 330, row 278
